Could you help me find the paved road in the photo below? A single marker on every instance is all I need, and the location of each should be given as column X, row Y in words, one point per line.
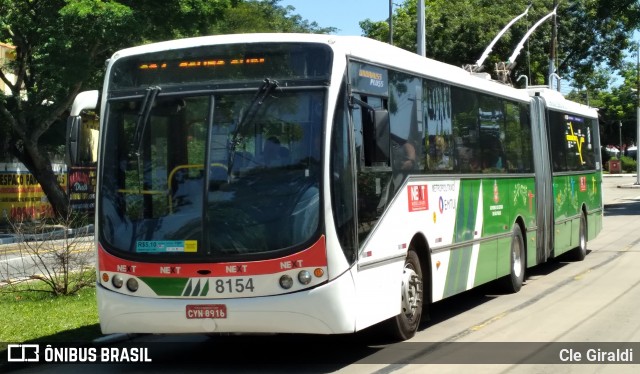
column 20, row 261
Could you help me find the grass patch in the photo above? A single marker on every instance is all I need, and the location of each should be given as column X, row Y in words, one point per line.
column 28, row 316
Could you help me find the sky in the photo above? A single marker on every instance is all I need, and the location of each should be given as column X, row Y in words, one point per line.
column 342, row 14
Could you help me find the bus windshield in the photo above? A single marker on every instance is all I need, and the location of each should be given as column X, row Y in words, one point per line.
column 212, row 175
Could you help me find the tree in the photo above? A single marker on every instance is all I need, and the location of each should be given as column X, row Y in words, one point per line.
column 590, row 33
column 265, row 16
column 618, row 106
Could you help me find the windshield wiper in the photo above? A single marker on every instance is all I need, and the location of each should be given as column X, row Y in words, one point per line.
column 261, row 95
column 141, row 124
column 143, row 116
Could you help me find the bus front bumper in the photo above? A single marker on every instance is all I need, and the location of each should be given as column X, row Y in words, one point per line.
column 326, row 309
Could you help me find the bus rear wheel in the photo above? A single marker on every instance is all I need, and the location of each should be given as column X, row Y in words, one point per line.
column 580, row 252
column 512, row 283
column 404, row 325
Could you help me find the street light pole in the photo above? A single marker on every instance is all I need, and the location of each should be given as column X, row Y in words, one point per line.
column 421, row 40
column 620, row 154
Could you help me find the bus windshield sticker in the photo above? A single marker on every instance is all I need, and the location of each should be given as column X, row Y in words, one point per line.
column 165, row 246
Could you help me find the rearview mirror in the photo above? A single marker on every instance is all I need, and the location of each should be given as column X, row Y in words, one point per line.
column 74, row 124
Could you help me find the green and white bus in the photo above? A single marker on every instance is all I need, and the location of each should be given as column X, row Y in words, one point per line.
column 289, row 183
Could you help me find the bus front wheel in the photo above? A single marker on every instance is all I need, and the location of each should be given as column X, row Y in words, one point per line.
column 404, row 325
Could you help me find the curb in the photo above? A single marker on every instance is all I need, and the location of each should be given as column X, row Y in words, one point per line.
column 630, row 186
column 51, row 235
column 60, row 234
column 7, row 239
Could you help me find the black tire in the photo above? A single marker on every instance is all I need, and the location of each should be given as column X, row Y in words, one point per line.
column 512, row 283
column 580, row 252
column 404, row 325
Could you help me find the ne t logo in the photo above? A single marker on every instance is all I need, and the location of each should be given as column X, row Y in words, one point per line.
column 418, row 198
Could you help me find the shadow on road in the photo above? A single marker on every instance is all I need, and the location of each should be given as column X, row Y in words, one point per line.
column 628, row 207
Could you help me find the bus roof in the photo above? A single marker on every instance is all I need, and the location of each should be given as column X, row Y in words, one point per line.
column 357, row 47
column 375, row 52
column 369, row 50
column 555, row 100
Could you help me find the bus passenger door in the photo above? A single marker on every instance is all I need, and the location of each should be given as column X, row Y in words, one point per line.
column 544, row 180
column 374, row 276
column 372, row 158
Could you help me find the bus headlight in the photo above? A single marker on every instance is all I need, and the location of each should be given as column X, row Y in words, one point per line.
column 117, row 281
column 286, row 282
column 304, row 277
column 132, row 284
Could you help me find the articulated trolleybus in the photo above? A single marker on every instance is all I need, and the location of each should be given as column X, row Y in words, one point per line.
column 321, row 184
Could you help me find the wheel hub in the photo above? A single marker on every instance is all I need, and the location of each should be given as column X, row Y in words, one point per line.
column 411, row 292
column 517, row 265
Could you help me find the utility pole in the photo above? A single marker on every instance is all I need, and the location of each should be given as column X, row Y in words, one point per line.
column 391, row 22
column 421, row 29
column 552, row 47
column 620, row 154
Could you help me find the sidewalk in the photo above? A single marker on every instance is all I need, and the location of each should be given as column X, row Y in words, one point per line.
column 622, row 180
column 620, row 188
column 627, row 177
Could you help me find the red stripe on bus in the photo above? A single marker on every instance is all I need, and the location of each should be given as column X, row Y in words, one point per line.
column 314, row 256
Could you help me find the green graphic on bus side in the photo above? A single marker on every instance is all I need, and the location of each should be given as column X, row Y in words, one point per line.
column 460, row 260
column 166, row 286
column 487, row 208
column 570, row 191
column 193, row 288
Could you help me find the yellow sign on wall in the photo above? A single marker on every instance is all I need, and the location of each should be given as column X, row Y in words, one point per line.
column 22, row 198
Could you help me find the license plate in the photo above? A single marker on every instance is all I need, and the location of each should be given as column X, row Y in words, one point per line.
column 206, row 311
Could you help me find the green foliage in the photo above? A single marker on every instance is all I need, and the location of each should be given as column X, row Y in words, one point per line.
column 629, row 165
column 618, row 105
